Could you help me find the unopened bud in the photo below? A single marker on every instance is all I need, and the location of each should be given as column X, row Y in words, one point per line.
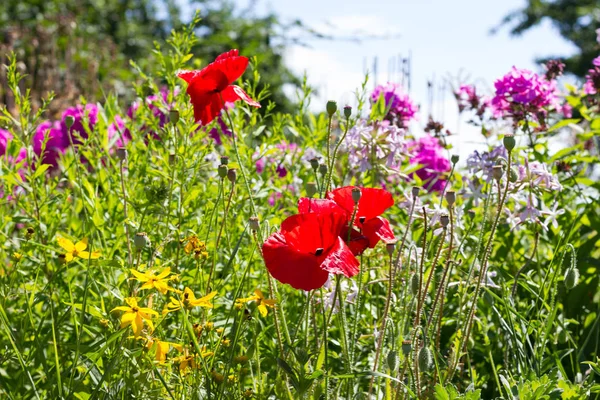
column 314, row 163
column 174, row 116
column 224, row 160
column 222, row 171
column 509, row 142
column 425, row 358
column 347, row 111
column 141, row 240
column 172, row 158
column 513, row 176
column 444, row 220
column 122, row 153
column 356, row 193
column 390, row 247
column 254, row 225
column 454, row 158
column 311, row 189
column 451, row 197
column 323, row 169
column 232, row 175
column 393, row 360
column 69, row 121
column 331, row 108
column 415, row 191
column 497, row 172
column 571, row 278
column 415, row 284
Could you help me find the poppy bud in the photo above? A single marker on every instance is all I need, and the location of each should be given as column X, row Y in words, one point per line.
column 497, row 172
column 454, row 158
column 444, row 220
column 415, row 285
column 513, row 176
column 425, row 359
column 232, row 175
column 174, row 116
column 314, row 163
column 451, row 197
column 311, row 189
column 224, row 160
column 323, row 169
column 415, row 191
column 122, row 153
column 571, row 278
column 222, row 170
column 356, row 195
column 509, row 141
column 141, row 240
column 331, row 108
column 347, row 111
column 172, row 158
column 392, row 360
column 390, row 247
column 254, row 225
column 69, row 121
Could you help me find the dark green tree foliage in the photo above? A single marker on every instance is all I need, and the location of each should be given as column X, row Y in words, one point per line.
column 576, row 20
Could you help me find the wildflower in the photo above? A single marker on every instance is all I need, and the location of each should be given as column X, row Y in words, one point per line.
column 240, row 359
column 162, row 348
column 135, row 316
column 219, row 378
column 592, row 82
column 212, row 86
column 401, row 108
column 261, row 302
column 56, row 142
column 552, row 215
column 17, row 256
column 77, row 250
column 79, row 115
column 206, row 353
column 428, row 154
column 248, row 393
column 189, row 301
column 185, row 362
column 152, row 281
column 307, row 248
column 196, row 246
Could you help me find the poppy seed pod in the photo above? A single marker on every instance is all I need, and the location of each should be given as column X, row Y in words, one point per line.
column 406, row 347
column 141, row 240
column 513, row 176
column 509, row 141
column 444, row 220
column 222, row 170
column 323, row 169
column 224, row 160
column 331, row 107
column 356, row 195
column 390, row 247
column 69, row 121
column 122, row 153
column 314, row 163
column 454, row 158
column 254, row 224
column 172, row 158
column 311, row 189
column 415, row 191
column 425, row 359
column 232, row 175
column 497, row 172
column 450, row 197
column 347, row 111
column 174, row 116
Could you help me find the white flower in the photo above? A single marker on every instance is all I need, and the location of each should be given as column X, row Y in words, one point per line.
column 551, row 215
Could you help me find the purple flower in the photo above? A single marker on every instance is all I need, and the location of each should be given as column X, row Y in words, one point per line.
column 521, row 93
column 429, row 154
column 219, row 128
column 5, row 138
column 592, row 79
column 159, row 105
column 279, row 156
column 468, row 99
column 118, row 134
column 80, row 114
column 55, row 146
column 401, row 108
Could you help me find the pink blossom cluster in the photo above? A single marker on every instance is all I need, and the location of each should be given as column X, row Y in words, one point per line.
column 522, row 93
column 401, row 108
column 469, row 100
column 592, row 79
column 428, row 153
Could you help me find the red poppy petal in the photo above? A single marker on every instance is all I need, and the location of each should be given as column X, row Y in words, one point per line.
column 373, row 202
column 233, row 67
column 207, row 107
column 340, row 260
column 187, row 75
column 230, row 53
column 307, row 233
column 233, row 93
column 378, row 229
column 307, row 205
column 358, row 242
column 301, row 271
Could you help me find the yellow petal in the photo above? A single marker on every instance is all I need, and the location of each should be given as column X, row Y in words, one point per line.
column 81, row 245
column 147, row 311
column 161, row 351
column 164, row 274
column 137, row 324
column 87, row 255
column 66, row 244
column 68, row 257
column 131, row 301
column 190, row 295
column 259, row 294
column 127, row 319
column 263, row 310
column 121, row 308
column 150, row 325
column 269, row 302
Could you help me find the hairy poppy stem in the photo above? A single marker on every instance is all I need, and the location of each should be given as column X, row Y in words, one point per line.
column 335, row 150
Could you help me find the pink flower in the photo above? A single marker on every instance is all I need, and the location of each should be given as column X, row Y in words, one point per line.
column 428, row 153
column 56, row 145
column 80, row 114
column 402, row 110
column 118, row 134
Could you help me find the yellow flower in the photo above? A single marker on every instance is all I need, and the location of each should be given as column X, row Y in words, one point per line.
column 135, row 316
column 206, row 353
column 158, row 282
column 190, row 301
column 162, row 348
column 185, row 362
column 76, row 250
column 261, row 302
column 196, row 246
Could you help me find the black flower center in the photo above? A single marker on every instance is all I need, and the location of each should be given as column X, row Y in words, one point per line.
column 319, row 251
column 362, row 219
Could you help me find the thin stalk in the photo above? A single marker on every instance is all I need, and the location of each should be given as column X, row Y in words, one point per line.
column 124, row 194
column 335, row 150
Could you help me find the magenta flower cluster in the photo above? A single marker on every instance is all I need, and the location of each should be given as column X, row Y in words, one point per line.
column 522, row 93
column 428, row 153
column 592, row 79
column 402, row 110
column 469, row 100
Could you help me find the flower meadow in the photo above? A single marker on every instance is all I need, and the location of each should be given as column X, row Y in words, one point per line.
column 195, row 244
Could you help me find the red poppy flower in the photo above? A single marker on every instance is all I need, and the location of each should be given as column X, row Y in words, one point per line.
column 211, row 87
column 368, row 227
column 307, row 249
